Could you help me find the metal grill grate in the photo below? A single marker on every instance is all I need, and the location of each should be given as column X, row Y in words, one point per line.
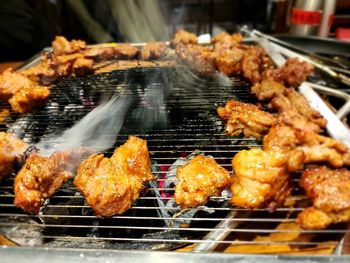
column 192, row 125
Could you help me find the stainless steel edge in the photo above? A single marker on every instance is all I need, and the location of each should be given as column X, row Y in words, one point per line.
column 43, row 255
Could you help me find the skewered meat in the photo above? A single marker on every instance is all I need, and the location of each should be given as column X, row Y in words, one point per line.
column 261, row 179
column 11, row 151
column 200, row 59
column 267, row 89
column 245, row 118
column 292, row 73
column 153, row 50
column 229, row 62
column 25, row 100
column 110, row 185
column 199, row 179
column 40, row 177
column 329, row 191
column 183, row 37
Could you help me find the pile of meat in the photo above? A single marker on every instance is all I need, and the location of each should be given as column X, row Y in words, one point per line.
column 28, row 89
column 291, row 141
column 262, row 178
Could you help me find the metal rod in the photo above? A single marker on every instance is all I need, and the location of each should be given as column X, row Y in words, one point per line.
column 217, row 235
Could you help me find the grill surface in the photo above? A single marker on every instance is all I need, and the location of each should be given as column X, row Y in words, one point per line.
column 192, row 125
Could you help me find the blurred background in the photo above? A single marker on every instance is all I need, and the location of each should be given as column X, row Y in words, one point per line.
column 27, row 26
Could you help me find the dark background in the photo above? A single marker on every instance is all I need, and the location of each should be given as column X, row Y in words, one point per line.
column 27, row 26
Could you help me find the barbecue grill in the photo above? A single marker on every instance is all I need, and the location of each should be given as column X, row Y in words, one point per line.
column 176, row 127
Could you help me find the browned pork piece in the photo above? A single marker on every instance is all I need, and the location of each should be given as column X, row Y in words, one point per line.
column 329, row 191
column 267, row 89
column 11, row 152
column 153, row 50
column 291, row 100
column 200, row 59
column 283, row 140
column 111, row 185
column 254, row 63
column 61, row 46
column 40, row 177
column 260, row 180
column 303, row 147
column 292, row 73
column 22, row 93
column 246, row 119
column 25, row 100
column 229, row 62
column 224, row 41
column 119, row 51
column 183, row 37
column 318, row 148
column 199, row 179
column 11, row 82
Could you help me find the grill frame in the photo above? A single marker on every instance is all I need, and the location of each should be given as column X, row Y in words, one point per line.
column 221, row 137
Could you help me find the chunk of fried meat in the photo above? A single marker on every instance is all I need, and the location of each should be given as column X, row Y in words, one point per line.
column 245, row 118
column 329, row 191
column 198, row 180
column 111, row 185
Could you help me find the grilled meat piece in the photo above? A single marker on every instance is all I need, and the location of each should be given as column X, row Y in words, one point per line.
column 329, row 191
column 304, row 147
column 282, row 139
column 291, row 74
column 127, row 64
column 153, row 50
column 82, row 67
column 261, row 179
column 297, row 121
column 11, row 82
column 27, row 99
column 318, row 148
column 11, row 152
column 267, row 89
column 120, row 51
column 291, row 100
column 201, row 178
column 200, row 59
column 183, row 37
column 111, row 185
column 61, row 46
column 224, row 41
column 40, row 177
column 254, row 62
column 22, row 93
column 229, row 62
column 245, row 118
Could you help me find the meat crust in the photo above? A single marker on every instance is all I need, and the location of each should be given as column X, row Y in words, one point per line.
column 329, row 191
column 201, row 178
column 111, row 185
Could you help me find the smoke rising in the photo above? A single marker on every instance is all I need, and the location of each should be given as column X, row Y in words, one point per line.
column 96, row 131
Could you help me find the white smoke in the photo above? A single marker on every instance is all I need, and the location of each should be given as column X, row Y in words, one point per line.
column 96, row 131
